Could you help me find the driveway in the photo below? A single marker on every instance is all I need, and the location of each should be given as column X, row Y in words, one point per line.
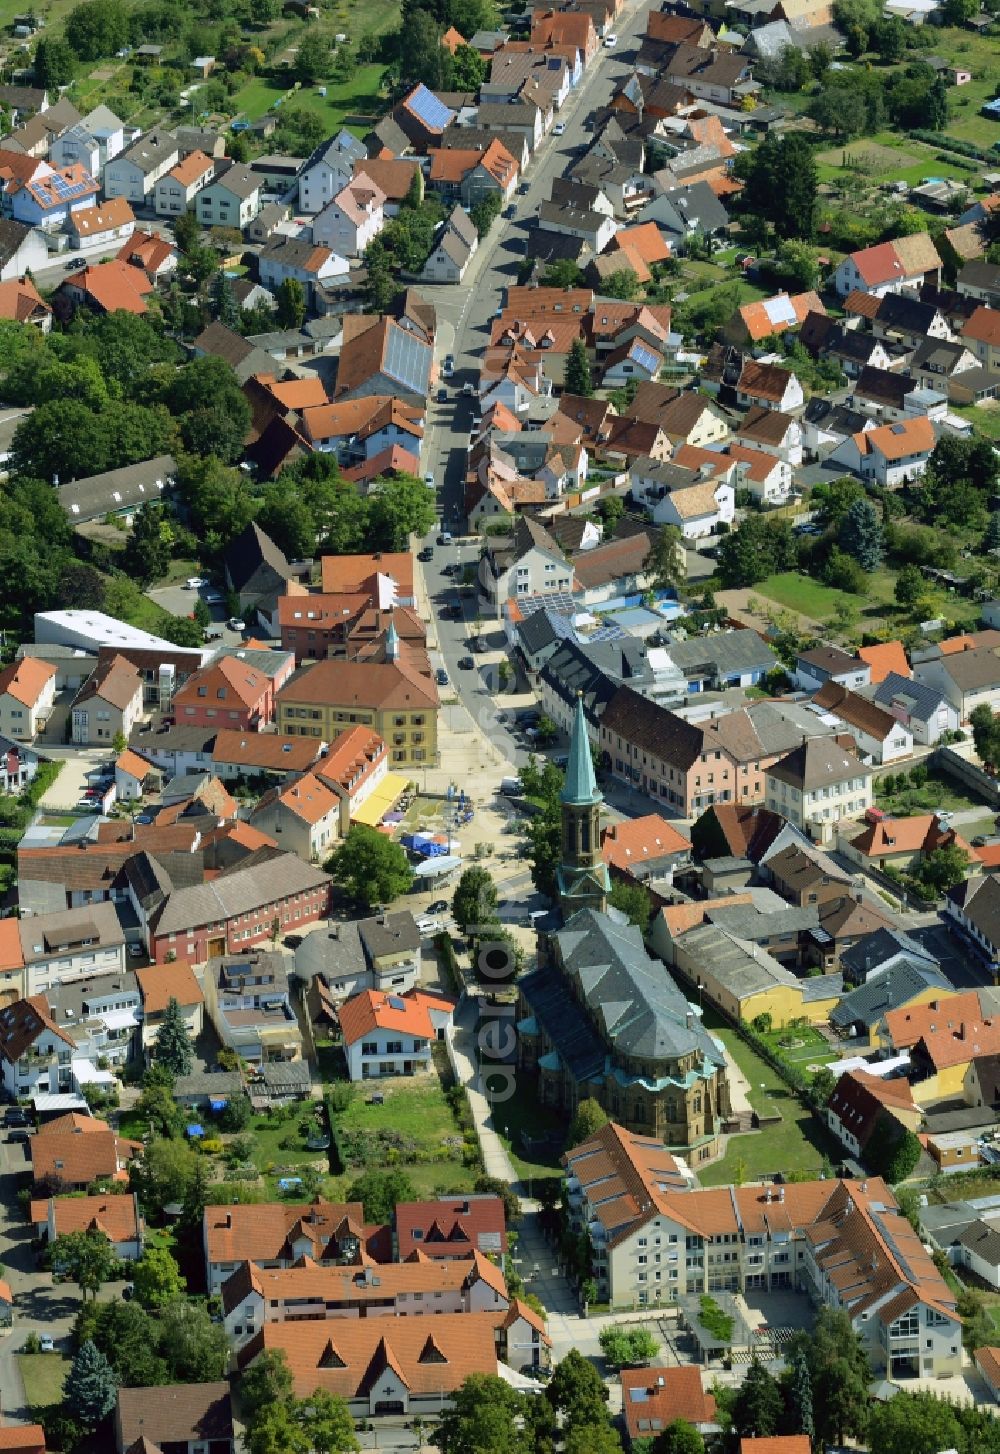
column 69, row 786
column 180, row 602
column 40, row 1306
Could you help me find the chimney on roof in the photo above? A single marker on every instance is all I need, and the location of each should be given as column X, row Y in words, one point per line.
column 227, row 1221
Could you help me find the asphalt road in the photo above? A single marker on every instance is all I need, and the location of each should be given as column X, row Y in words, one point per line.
column 465, row 315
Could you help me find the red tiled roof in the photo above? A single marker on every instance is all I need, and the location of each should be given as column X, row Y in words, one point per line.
column 451, row 1227
column 409, row 1013
column 886, row 657
column 652, row 1398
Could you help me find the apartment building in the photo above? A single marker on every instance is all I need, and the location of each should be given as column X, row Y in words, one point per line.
column 393, row 698
column 844, row 1244
column 818, row 784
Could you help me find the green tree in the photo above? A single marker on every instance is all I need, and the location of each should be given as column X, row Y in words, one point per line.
column 991, row 536
column 379, row 1192
column 217, row 498
column 423, row 57
column 90, row 1390
column 759, row 548
column 914, row 1423
column 286, row 518
column 182, row 631
column 666, row 563
column 97, row 28
column 327, row 1423
column 227, row 309
column 147, row 554
column 986, row 735
column 563, row 273
column 942, row 868
column 757, row 1406
column 265, row 1381
column 371, row 867
column 678, row 1437
column 798, row 1392
column 312, row 59
column 53, row 64
column 87, row 1257
column 861, row 534
column 610, row 508
column 163, row 1173
column 398, row 507
column 197, row 1348
column 485, row 213
column 187, row 231
column 838, row 1367
column 485, row 1416
column 291, row 299
column 623, row 1346
column 592, row 1439
column 577, row 1392
column 634, row 901
column 578, row 378
column 910, row 587
column 129, row 1339
column 493, row 1186
column 590, row 1117
column 156, row 1278
column 780, row 184
column 475, row 899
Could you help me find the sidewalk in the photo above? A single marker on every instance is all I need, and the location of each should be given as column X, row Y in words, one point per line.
column 463, row 1043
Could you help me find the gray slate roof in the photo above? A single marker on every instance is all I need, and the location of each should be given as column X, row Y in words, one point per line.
column 729, row 652
column 921, row 701
column 271, row 876
column 875, row 949
column 645, row 1013
column 867, row 1004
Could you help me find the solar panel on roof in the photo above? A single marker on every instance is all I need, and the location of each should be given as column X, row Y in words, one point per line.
column 406, row 360
column 644, row 357
column 779, row 310
column 427, row 108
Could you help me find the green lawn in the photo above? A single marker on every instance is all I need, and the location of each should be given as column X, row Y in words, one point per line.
column 937, row 794
column 43, row 1375
column 802, row 593
column 987, row 421
column 809, row 1048
column 796, row 1144
column 523, row 1113
column 360, row 96
column 413, row 1129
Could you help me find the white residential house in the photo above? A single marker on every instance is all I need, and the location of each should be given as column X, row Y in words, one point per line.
column 816, row 785
column 70, row 943
column 35, row 1054
column 135, row 172
column 288, row 257
column 768, row 478
column 768, row 386
column 922, row 709
column 175, row 192
column 77, row 145
column 880, row 736
column 891, row 455
column 772, row 432
column 109, row 131
column 328, row 170
column 387, row 1034
column 231, row 200
column 27, row 694
column 352, row 219
column 528, row 563
column 696, row 501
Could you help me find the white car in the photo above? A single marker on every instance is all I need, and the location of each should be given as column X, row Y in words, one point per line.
column 46, row 1344
column 235, row 624
column 429, row 926
column 429, row 481
column 610, row 40
column 559, row 129
column 194, row 583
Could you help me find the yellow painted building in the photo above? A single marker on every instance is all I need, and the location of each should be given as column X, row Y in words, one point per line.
column 744, row 983
column 399, row 702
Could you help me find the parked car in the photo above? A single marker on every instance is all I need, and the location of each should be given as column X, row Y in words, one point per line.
column 235, row 624
column 440, row 906
column 610, row 40
column 441, row 677
column 135, row 951
column 444, row 538
column 448, row 367
column 46, row 1344
column 466, row 663
column 429, row 926
column 559, row 129
column 429, row 481
column 442, row 396
column 195, row 583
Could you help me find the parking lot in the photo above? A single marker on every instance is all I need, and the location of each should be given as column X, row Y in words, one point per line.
column 71, row 785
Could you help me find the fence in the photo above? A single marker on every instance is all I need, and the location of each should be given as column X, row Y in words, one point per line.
column 953, row 764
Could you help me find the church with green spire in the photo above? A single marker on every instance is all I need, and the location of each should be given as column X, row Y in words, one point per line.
column 582, row 875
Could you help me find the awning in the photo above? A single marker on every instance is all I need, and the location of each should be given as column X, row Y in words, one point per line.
column 218, row 1103
column 381, row 800
column 195, row 1130
column 435, row 867
column 85, row 1073
column 118, row 1019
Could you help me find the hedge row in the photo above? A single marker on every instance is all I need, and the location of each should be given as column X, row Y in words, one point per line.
column 950, row 143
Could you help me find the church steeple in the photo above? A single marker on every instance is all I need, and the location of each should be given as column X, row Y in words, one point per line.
column 582, row 875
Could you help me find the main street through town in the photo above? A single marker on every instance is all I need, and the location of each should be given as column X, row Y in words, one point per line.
column 465, row 315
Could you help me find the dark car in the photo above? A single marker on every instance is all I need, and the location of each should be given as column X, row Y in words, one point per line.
column 426, row 554
column 292, row 941
column 440, row 906
column 442, row 396
column 465, row 663
column 441, row 677
column 15, row 1116
column 527, row 717
column 22, row 1137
